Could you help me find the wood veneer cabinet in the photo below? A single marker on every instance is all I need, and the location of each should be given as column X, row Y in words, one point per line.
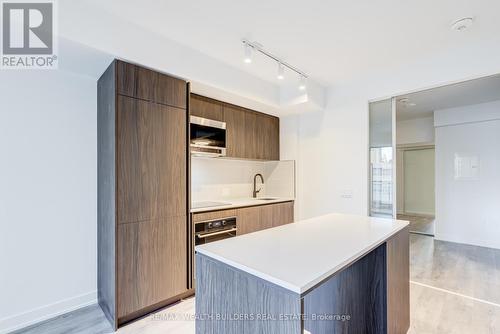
column 249, row 133
column 205, row 107
column 253, row 218
column 256, row 218
column 398, row 282
column 142, row 191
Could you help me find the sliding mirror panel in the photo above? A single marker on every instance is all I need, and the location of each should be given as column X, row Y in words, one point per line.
column 381, row 165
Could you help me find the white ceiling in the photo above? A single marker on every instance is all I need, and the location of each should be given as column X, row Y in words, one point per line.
column 333, row 41
column 450, row 96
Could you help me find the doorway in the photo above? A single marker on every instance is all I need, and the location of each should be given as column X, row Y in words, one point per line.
column 458, row 125
column 416, row 187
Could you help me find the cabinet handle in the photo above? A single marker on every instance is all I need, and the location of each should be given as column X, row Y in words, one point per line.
column 206, row 235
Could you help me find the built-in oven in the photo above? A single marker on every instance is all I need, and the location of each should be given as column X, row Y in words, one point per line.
column 208, row 137
column 210, row 231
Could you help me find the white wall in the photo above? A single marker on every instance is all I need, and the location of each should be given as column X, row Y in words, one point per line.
column 47, row 194
column 467, row 209
column 415, row 131
column 467, row 114
column 333, row 144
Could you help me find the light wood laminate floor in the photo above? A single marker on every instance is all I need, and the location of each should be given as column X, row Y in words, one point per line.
column 454, row 288
column 419, row 224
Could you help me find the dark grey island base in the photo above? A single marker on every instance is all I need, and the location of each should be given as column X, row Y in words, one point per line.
column 368, row 295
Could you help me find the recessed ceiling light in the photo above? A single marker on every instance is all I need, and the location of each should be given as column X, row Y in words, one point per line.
column 462, row 24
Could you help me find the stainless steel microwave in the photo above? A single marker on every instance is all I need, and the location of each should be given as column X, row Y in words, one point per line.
column 208, row 137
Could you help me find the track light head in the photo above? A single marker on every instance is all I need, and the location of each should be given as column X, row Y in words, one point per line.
column 302, row 83
column 281, row 71
column 248, row 53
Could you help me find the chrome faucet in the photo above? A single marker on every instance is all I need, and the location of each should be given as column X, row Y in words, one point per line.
column 255, row 191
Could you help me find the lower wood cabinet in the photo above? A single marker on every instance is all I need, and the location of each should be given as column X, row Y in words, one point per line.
column 256, row 218
column 253, row 218
column 151, row 264
column 398, row 282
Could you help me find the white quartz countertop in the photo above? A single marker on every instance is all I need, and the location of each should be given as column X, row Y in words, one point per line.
column 238, row 203
column 300, row 255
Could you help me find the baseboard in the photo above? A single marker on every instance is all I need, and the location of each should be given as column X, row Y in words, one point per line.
column 459, row 240
column 419, row 214
column 46, row 312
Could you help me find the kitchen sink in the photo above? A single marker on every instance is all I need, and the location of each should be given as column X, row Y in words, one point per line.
column 267, row 198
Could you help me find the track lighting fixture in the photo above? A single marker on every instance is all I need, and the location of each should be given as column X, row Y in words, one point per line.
column 250, row 47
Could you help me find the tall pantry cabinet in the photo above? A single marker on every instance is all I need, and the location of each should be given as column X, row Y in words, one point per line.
column 142, row 191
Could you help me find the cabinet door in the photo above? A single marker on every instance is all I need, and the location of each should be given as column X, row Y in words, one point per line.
column 151, row 161
column 256, row 218
column 273, row 135
column 145, row 84
column 250, row 149
column 282, row 213
column 207, row 108
column 235, row 131
column 276, row 215
column 241, row 132
column 151, row 263
column 267, row 137
column 248, row 220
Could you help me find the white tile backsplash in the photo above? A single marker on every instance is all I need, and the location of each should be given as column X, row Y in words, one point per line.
column 224, row 179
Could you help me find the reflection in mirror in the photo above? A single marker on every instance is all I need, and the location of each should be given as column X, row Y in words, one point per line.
column 381, row 159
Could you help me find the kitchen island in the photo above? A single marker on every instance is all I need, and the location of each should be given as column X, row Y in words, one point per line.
column 330, row 274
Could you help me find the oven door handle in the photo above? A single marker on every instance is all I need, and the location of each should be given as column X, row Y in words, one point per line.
column 206, row 235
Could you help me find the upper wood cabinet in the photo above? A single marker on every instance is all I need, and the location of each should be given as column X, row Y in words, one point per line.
column 149, row 85
column 249, row 134
column 267, row 137
column 240, row 132
column 207, row 108
column 151, row 164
